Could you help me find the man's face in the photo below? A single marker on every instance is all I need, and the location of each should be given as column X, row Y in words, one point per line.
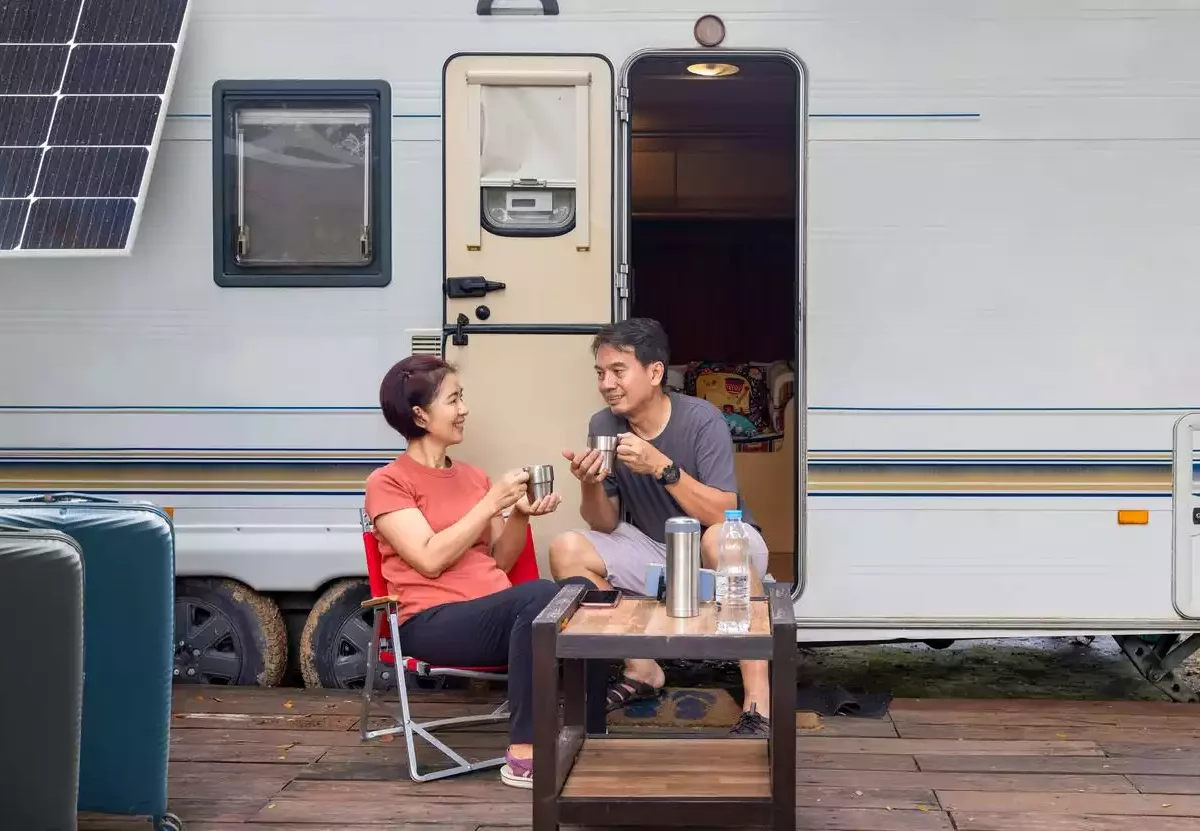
column 623, row 382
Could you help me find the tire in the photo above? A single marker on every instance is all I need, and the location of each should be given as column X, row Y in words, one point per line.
column 333, row 646
column 227, row 633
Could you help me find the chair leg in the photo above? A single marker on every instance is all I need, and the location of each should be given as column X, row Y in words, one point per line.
column 369, row 681
column 412, row 730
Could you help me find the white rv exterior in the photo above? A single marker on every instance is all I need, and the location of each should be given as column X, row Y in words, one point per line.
column 1000, row 257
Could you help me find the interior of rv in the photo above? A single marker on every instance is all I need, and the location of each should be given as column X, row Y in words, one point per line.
column 713, row 256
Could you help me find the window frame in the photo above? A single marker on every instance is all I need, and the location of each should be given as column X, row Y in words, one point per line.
column 376, row 96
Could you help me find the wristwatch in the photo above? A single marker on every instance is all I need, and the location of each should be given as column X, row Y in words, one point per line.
column 670, row 474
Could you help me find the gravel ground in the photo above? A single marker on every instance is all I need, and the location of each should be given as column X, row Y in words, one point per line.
column 1000, row 668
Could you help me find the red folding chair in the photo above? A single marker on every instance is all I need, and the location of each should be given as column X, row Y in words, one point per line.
column 385, row 647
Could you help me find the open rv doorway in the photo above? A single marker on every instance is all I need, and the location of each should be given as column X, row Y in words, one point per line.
column 714, row 242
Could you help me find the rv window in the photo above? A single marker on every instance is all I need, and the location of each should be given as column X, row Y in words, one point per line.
column 528, row 175
column 301, row 200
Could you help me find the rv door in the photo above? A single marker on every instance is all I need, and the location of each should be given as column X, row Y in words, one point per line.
column 527, row 152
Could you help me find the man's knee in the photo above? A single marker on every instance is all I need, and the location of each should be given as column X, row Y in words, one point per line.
column 570, row 553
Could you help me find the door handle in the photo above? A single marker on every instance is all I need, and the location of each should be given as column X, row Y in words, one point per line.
column 459, row 287
column 459, row 338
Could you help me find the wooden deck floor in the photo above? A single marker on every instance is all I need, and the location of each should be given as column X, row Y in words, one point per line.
column 290, row 760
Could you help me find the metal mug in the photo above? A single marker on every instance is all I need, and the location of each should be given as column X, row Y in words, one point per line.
column 541, row 482
column 683, row 567
column 607, row 445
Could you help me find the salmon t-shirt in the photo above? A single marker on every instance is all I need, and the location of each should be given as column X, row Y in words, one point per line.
column 443, row 496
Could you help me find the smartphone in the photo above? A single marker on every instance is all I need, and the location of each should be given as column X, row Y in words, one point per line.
column 595, row 598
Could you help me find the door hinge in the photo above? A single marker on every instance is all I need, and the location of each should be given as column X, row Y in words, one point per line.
column 623, row 280
column 623, row 103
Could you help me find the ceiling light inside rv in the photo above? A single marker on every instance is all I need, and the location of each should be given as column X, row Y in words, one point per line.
column 713, row 70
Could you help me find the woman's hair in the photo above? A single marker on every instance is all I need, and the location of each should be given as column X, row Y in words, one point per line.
column 412, row 382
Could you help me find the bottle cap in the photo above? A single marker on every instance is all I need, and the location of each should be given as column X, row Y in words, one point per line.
column 733, row 514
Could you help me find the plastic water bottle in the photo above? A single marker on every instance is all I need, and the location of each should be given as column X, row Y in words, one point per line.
column 733, row 575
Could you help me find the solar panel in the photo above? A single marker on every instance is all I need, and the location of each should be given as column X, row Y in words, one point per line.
column 84, row 86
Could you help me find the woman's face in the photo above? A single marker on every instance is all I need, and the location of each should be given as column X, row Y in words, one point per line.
column 447, row 412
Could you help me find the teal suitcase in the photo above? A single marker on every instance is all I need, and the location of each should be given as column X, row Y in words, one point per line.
column 128, row 656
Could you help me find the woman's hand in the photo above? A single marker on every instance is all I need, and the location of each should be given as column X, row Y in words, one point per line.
column 509, row 489
column 546, row 505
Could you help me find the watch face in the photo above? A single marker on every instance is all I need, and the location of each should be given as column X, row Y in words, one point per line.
column 670, row 474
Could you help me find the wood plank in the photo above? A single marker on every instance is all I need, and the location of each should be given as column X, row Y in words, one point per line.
column 810, row 819
column 1166, row 784
column 215, row 781
column 292, row 754
column 389, row 762
column 305, row 826
column 1066, row 822
column 1167, row 750
column 1060, row 764
column 1132, row 805
column 866, row 795
column 279, row 738
column 1033, row 705
column 854, row 761
column 87, row 821
column 648, row 617
column 261, row 721
column 1165, row 735
column 970, row 781
column 1037, row 718
column 483, row 786
column 350, row 814
column 680, row 768
column 228, row 810
column 929, row 747
column 810, row 724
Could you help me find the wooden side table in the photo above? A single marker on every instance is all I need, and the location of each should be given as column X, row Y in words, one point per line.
column 668, row 779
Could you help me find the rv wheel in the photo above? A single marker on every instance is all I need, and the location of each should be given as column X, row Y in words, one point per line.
column 333, row 646
column 1160, row 658
column 227, row 633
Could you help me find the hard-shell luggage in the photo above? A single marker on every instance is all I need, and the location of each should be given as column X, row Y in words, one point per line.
column 128, row 620
column 41, row 602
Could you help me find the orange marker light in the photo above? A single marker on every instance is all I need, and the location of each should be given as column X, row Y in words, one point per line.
column 1133, row 517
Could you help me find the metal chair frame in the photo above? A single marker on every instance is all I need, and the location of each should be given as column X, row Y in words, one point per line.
column 388, row 606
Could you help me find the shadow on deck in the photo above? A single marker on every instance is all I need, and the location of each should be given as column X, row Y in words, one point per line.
column 248, row 759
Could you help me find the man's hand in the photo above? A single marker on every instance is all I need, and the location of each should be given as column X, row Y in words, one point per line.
column 587, row 467
column 640, row 456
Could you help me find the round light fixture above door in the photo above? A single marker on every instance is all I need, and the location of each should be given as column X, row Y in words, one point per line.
column 709, row 30
column 713, row 70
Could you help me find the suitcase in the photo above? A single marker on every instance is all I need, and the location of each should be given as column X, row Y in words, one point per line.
column 128, row 621
column 41, row 594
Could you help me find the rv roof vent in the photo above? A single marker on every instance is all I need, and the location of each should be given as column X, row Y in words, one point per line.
column 425, row 342
column 489, row 7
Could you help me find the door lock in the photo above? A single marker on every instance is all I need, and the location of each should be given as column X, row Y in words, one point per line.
column 458, row 287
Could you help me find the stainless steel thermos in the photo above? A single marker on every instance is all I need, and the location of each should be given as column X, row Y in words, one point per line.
column 683, row 567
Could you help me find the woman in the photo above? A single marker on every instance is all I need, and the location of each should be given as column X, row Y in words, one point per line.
column 447, row 550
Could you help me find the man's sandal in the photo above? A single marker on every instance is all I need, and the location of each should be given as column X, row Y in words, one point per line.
column 626, row 691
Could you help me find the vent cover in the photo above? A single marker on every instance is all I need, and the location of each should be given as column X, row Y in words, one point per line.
column 425, row 341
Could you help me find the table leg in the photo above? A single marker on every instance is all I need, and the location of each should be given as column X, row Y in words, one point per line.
column 597, row 684
column 782, row 741
column 545, row 728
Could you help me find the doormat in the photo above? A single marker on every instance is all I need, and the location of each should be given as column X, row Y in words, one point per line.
column 680, row 708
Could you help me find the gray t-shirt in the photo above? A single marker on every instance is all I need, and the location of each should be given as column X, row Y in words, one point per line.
column 696, row 438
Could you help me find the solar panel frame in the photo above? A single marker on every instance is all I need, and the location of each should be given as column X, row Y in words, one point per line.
column 96, row 133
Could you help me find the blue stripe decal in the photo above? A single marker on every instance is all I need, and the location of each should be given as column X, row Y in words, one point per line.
column 810, row 115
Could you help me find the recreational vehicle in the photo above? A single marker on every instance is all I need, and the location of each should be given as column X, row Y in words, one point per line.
column 935, row 260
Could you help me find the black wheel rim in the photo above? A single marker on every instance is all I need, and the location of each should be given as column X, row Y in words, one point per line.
column 349, row 651
column 207, row 647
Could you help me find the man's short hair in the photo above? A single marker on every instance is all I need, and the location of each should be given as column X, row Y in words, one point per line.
column 643, row 336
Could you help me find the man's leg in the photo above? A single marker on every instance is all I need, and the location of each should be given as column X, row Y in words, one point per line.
column 616, row 560
column 755, row 675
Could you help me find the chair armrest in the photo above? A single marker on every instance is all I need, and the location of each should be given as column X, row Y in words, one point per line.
column 375, row 602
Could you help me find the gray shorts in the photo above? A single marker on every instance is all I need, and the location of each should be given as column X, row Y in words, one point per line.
column 627, row 552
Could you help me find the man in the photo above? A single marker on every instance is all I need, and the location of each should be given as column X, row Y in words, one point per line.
column 674, row 457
